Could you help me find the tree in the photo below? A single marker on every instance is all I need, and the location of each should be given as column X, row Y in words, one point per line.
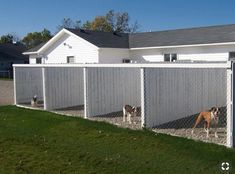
column 118, row 21
column 87, row 25
column 101, row 24
column 8, row 38
column 69, row 23
column 46, row 35
column 35, row 38
column 111, row 22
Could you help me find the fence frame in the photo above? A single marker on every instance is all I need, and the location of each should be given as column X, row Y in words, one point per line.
column 230, row 85
column 231, row 141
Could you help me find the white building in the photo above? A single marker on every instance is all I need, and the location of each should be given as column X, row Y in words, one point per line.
column 214, row 43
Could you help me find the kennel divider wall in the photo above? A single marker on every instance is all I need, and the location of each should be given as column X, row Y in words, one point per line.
column 174, row 93
column 63, row 87
column 28, row 82
column 110, row 88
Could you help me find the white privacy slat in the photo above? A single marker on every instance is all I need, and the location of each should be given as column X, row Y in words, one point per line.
column 64, row 87
column 111, row 88
column 177, row 93
column 28, row 83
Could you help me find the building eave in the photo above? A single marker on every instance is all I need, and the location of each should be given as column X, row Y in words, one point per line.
column 180, row 46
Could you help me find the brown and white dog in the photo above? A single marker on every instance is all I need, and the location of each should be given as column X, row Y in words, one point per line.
column 129, row 111
column 210, row 117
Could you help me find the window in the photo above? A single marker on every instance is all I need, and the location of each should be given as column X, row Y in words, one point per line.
column 70, row 59
column 38, row 60
column 126, row 61
column 231, row 55
column 173, row 57
column 170, row 57
column 167, row 57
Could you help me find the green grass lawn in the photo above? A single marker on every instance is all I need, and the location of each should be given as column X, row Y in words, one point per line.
column 42, row 142
column 6, row 79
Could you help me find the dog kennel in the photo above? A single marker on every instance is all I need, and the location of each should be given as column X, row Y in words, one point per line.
column 28, row 82
column 108, row 89
column 174, row 97
column 64, row 90
column 169, row 96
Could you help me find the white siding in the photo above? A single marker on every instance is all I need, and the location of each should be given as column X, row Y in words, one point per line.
column 109, row 89
column 32, row 58
column 143, row 56
column 77, row 47
column 63, row 87
column 174, row 93
column 204, row 53
column 112, row 55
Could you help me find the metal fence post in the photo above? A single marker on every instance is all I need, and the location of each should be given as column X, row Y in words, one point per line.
column 142, row 88
column 230, row 142
column 230, row 108
column 44, row 88
column 85, row 82
column 14, row 80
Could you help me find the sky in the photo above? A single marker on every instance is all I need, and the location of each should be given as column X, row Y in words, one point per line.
column 20, row 17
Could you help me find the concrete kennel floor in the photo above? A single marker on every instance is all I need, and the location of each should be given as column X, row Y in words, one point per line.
column 113, row 118
column 116, row 118
column 199, row 134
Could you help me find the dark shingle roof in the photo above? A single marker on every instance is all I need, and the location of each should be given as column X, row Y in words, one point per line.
column 103, row 39
column 34, row 49
column 191, row 36
column 10, row 50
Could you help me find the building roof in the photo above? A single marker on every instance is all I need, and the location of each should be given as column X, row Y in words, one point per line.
column 34, row 49
column 189, row 36
column 103, row 39
column 10, row 50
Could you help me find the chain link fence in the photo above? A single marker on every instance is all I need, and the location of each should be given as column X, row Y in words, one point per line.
column 176, row 97
column 167, row 98
column 109, row 90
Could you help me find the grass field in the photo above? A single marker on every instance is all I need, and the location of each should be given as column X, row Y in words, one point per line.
column 43, row 142
column 5, row 78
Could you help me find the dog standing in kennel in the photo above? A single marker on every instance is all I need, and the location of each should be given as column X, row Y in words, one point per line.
column 210, row 117
column 128, row 112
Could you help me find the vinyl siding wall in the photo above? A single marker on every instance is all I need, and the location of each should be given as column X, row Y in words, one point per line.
column 204, row 53
column 58, row 52
column 32, row 58
column 113, row 55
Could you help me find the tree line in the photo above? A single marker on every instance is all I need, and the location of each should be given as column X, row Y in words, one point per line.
column 110, row 22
